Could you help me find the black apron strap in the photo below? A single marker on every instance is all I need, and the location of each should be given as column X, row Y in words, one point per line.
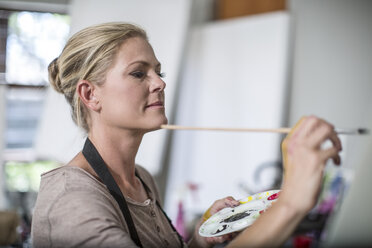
column 96, row 162
column 170, row 222
column 161, row 209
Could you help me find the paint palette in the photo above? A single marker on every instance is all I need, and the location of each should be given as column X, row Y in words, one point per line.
column 235, row 219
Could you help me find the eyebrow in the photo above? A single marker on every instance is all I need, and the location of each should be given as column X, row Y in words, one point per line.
column 144, row 63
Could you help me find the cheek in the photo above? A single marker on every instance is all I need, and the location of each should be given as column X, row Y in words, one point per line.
column 126, row 101
column 135, row 99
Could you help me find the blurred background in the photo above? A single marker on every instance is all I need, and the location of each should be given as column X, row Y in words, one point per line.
column 228, row 63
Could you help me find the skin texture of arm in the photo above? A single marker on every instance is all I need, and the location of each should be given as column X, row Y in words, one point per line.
column 304, row 162
column 272, row 229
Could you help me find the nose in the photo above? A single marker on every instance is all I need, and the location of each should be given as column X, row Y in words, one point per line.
column 157, row 84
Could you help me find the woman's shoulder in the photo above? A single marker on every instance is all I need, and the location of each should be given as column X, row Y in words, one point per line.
column 71, row 199
column 69, row 178
column 63, row 188
column 69, row 182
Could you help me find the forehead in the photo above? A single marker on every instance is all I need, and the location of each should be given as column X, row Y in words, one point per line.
column 135, row 49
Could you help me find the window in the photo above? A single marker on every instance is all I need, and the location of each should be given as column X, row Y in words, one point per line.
column 33, row 40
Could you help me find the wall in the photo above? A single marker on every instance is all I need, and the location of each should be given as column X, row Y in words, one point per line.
column 166, row 22
column 332, row 78
column 332, row 60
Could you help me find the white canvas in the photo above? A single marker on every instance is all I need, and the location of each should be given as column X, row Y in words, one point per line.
column 234, row 76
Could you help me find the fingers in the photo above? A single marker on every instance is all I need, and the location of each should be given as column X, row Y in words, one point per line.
column 224, row 203
column 216, row 240
column 305, row 127
column 310, row 133
column 321, row 132
column 220, row 204
column 330, row 153
column 231, row 202
column 221, row 239
column 314, row 132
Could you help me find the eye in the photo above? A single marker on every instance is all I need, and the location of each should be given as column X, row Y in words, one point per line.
column 138, row 74
column 161, row 74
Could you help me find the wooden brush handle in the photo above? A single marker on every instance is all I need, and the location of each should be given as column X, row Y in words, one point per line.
column 273, row 130
column 265, row 130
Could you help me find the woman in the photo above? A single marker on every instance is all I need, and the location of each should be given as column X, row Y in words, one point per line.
column 110, row 76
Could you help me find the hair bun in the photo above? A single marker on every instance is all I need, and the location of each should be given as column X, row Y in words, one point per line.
column 54, row 77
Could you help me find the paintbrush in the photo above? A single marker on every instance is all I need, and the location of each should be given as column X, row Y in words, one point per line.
column 355, row 131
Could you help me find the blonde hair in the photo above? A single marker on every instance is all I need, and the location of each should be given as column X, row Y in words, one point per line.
column 88, row 55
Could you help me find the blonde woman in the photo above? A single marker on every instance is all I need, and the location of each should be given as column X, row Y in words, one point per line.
column 113, row 81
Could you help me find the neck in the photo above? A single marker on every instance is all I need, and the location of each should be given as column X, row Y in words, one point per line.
column 118, row 150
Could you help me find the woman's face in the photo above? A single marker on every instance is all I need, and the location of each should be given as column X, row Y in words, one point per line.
column 132, row 96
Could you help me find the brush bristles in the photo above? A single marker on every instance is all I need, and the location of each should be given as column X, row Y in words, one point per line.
column 363, row 131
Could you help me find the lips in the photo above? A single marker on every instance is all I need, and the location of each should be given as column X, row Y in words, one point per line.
column 156, row 104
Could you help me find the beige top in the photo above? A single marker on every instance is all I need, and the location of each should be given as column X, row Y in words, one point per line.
column 74, row 209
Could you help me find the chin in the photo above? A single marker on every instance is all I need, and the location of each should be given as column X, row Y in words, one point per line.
column 156, row 126
column 165, row 121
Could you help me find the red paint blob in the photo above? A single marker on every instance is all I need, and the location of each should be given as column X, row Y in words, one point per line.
column 273, row 196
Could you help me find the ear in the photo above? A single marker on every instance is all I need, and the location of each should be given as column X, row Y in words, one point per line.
column 88, row 95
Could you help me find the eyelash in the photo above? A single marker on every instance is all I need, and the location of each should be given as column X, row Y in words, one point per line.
column 139, row 74
column 161, row 74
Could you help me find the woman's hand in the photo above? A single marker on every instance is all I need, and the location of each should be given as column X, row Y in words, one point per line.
column 305, row 159
column 304, row 162
column 199, row 241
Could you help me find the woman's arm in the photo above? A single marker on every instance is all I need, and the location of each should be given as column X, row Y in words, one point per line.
column 272, row 229
column 304, row 161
